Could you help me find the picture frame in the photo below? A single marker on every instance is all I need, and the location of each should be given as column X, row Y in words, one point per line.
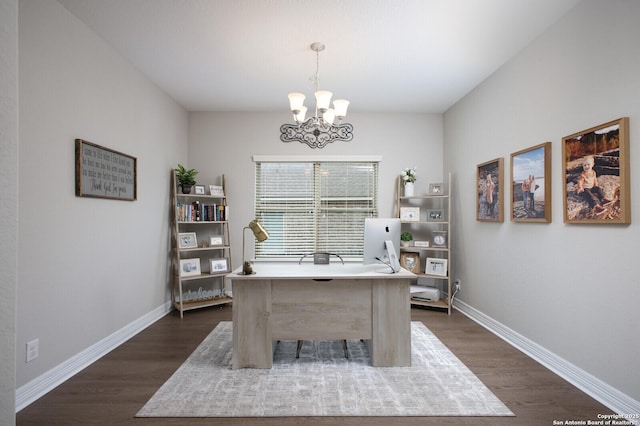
column 216, row 190
column 216, row 240
column 436, row 266
column 435, row 215
column 531, row 184
column 199, row 189
column 187, row 240
column 489, row 191
column 604, row 196
column 190, row 267
column 410, row 261
column 219, row 265
column 423, row 244
column 410, row 214
column 105, row 173
column 439, row 239
column 436, row 189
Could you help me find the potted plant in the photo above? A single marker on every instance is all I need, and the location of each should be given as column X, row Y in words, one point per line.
column 186, row 178
column 405, row 239
column 408, row 178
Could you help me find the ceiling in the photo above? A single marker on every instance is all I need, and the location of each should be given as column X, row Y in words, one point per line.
column 382, row 55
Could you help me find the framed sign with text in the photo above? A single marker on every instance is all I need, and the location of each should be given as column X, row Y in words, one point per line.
column 104, row 173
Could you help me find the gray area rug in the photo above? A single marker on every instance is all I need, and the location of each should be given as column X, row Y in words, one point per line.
column 322, row 382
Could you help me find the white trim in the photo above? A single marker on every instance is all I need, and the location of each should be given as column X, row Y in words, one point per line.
column 39, row 386
column 597, row 389
column 316, row 158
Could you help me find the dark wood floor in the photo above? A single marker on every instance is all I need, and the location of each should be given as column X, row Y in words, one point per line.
column 112, row 390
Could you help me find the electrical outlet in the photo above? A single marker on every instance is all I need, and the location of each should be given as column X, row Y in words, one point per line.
column 458, row 284
column 32, row 349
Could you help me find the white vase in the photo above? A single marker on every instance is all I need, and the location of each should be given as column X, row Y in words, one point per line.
column 408, row 189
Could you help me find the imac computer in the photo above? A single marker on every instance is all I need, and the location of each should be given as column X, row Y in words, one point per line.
column 381, row 237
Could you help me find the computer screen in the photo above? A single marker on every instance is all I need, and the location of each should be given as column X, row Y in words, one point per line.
column 376, row 232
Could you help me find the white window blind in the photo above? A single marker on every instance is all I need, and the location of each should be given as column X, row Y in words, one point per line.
column 311, row 206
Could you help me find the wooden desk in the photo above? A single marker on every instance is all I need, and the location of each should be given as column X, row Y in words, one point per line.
column 287, row 301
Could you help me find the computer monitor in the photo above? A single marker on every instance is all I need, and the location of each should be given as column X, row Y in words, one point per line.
column 377, row 231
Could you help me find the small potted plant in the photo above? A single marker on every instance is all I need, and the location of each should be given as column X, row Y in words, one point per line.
column 405, row 239
column 186, row 178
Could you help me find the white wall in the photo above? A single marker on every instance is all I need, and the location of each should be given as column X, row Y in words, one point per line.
column 86, row 267
column 224, row 143
column 8, row 204
column 570, row 288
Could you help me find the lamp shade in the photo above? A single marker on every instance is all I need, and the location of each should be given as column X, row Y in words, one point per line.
column 299, row 117
column 296, row 101
column 329, row 116
column 260, row 233
column 323, row 99
column 340, row 106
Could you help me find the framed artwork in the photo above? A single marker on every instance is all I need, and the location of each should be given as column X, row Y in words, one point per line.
column 436, row 189
column 216, row 240
column 595, row 174
column 104, row 173
column 199, row 189
column 410, row 261
column 489, row 193
column 531, row 184
column 219, row 265
column 216, row 190
column 436, row 266
column 187, row 240
column 435, row 215
column 410, row 214
column 189, row 267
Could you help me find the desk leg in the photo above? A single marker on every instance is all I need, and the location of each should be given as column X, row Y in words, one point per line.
column 252, row 341
column 391, row 341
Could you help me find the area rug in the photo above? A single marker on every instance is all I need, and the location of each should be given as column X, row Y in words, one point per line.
column 322, row 382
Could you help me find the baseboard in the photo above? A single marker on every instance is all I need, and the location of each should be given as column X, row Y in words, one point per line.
column 39, row 386
column 597, row 389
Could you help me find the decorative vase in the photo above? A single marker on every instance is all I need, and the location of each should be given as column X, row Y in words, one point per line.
column 408, row 189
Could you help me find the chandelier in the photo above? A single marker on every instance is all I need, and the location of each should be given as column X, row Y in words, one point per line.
column 325, row 126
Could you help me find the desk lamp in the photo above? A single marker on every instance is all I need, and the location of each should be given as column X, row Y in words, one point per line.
column 261, row 235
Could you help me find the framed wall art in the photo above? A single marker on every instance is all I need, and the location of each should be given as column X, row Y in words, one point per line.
column 595, row 174
column 531, row 184
column 104, row 173
column 489, row 191
column 410, row 261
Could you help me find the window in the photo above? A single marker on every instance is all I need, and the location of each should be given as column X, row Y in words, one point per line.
column 309, row 206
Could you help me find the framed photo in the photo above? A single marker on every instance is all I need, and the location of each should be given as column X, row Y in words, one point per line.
column 410, row 214
column 216, row 190
column 187, row 240
column 531, row 184
column 199, row 189
column 489, row 192
column 435, row 215
column 216, row 240
column 417, row 243
column 219, row 265
column 595, row 174
column 436, row 189
column 410, row 261
column 439, row 239
column 189, row 267
column 436, row 266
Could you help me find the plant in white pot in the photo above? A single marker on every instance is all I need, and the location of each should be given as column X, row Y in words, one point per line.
column 409, row 177
column 405, row 239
